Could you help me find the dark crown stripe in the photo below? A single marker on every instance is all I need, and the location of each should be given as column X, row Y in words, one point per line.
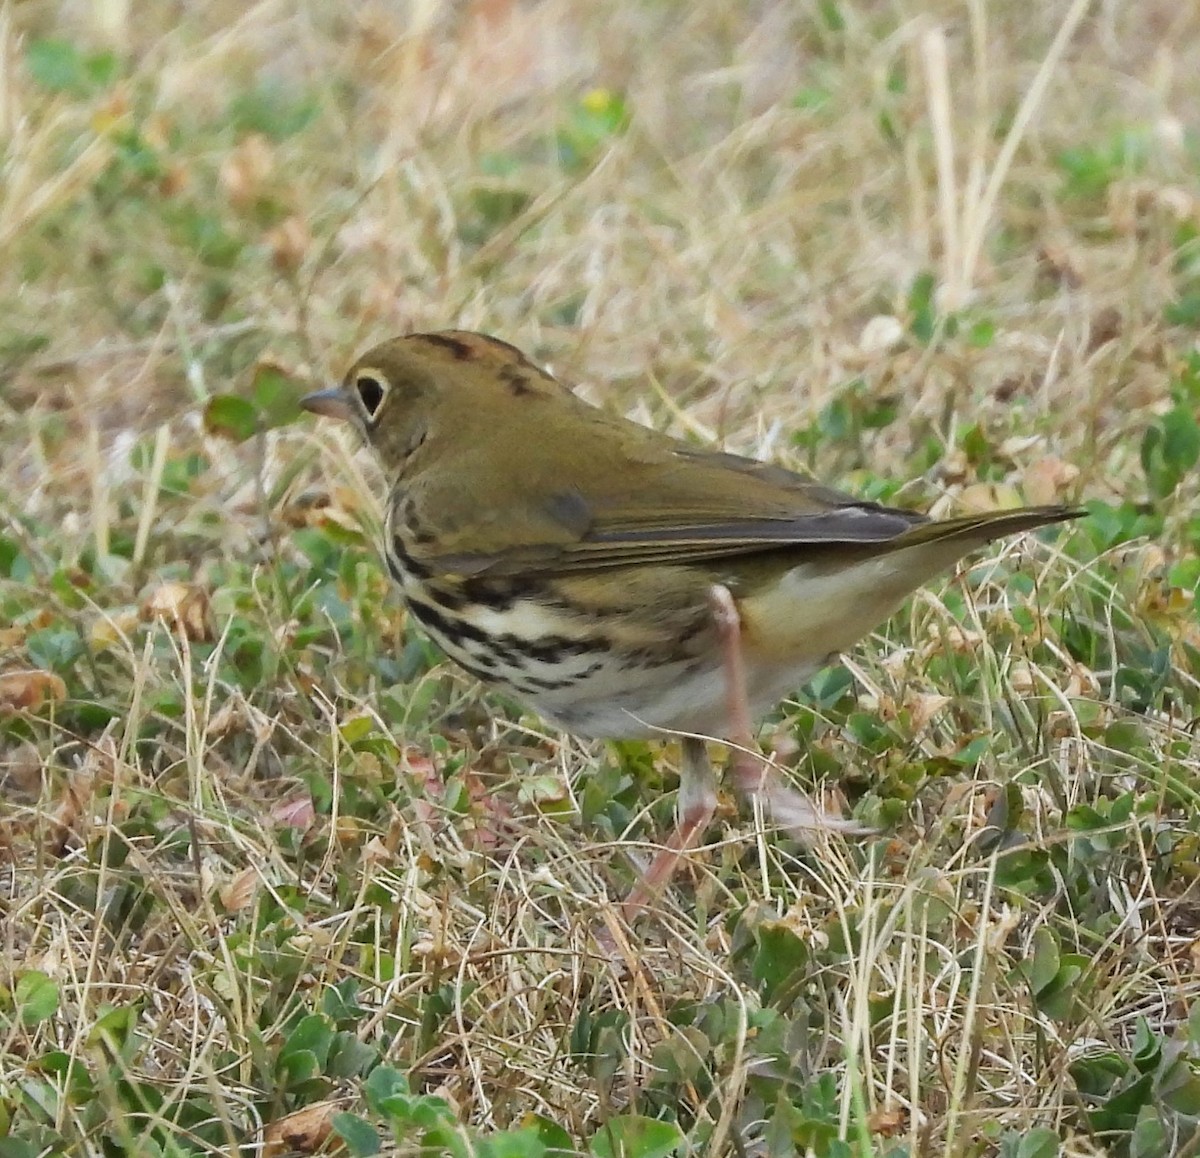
column 460, row 349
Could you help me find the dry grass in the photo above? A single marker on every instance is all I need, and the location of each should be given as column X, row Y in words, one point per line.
column 258, row 838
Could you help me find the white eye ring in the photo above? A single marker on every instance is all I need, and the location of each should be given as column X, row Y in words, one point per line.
column 372, row 389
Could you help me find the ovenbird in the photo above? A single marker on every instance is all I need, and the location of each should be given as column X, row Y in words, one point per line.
column 619, row 582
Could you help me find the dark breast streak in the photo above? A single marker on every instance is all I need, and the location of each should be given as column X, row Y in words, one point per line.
column 589, row 651
column 450, row 610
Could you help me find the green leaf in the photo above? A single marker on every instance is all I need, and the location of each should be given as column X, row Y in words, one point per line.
column 832, row 16
column 681, row 1057
column 357, row 728
column 1147, row 1047
column 361, row 1138
column 519, row 1143
column 349, row 1057
column 1042, row 968
column 810, row 98
column 921, row 308
column 1058, row 1000
column 1181, row 438
column 596, row 118
column 633, row 1136
column 340, row 1002
column 1170, row 449
column 54, row 648
column 384, row 1082
column 1185, row 311
column 274, row 401
column 54, row 65
column 1039, row 1142
column 20, row 1148
column 232, row 417
column 72, row 1075
column 275, row 109
column 781, row 956
column 116, row 1028
column 9, row 554
column 972, row 752
column 1179, row 1084
column 276, row 394
column 556, row 1140
column 58, row 65
column 36, row 997
column 1091, row 168
column 981, row 334
column 306, row 1049
column 204, row 233
column 1150, row 1138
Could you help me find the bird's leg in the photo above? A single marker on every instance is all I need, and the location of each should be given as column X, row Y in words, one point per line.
column 697, row 803
column 752, row 774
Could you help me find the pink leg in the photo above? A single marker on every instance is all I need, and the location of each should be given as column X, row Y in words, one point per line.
column 753, row 775
column 697, row 803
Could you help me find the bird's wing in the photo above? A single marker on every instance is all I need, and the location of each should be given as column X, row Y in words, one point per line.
column 672, row 506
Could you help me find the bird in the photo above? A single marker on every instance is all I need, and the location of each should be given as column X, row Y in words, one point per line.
column 622, row 583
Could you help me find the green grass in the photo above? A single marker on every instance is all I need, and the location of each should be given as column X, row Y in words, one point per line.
column 269, row 867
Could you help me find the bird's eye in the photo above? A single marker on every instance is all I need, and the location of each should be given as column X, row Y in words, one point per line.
column 372, row 391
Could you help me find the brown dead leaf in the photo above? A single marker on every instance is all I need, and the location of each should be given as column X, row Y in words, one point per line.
column 27, row 691
column 183, row 605
column 348, row 832
column 954, row 467
column 985, row 497
column 229, row 717
column 882, row 333
column 1057, row 262
column 1008, row 388
column 112, row 628
column 1047, row 479
column 887, row 1120
column 922, row 707
column 1021, row 678
column 245, row 171
column 1081, row 683
column 236, row 895
column 344, row 508
column 376, row 852
column 290, row 242
column 100, row 761
column 11, row 637
column 1160, row 601
column 20, row 773
column 305, row 1131
column 113, row 112
column 1132, row 203
column 305, row 510
column 881, row 705
column 176, row 179
column 427, row 804
column 295, row 812
column 69, row 812
column 1104, row 327
column 958, row 640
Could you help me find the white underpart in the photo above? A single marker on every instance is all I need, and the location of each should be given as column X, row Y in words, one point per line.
column 526, row 620
column 808, row 618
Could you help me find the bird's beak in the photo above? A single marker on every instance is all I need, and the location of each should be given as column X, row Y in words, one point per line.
column 331, row 403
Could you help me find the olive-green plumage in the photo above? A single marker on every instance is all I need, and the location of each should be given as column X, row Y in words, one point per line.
column 570, row 556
